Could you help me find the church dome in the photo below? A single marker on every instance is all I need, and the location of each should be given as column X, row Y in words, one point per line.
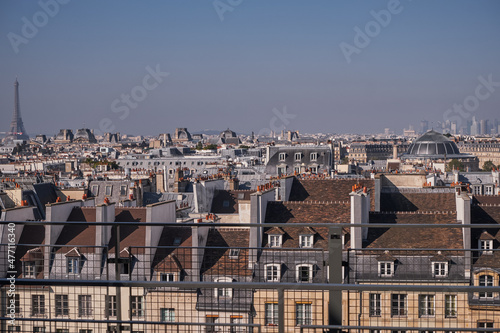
column 433, row 145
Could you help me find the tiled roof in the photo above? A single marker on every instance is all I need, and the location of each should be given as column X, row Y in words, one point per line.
column 217, row 262
column 414, row 238
column 328, row 189
column 487, row 199
column 226, row 202
column 301, row 212
column 168, row 258
column 399, row 202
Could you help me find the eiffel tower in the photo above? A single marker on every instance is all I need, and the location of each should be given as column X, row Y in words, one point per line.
column 17, row 131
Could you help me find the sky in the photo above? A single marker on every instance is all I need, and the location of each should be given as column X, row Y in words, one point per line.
column 147, row 67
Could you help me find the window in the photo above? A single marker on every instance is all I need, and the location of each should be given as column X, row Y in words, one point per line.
column 125, row 267
column 488, row 190
column 272, row 272
column 123, row 190
column 84, row 331
column 167, row 277
column 274, row 240
column 484, row 324
column 386, row 268
column 375, row 309
column 37, row 305
column 137, row 306
column 298, row 157
column 14, row 329
column 167, row 315
column 305, row 241
column 314, row 169
column 234, row 253
column 17, row 308
column 61, row 305
column 224, row 292
column 304, row 273
column 271, row 314
column 398, row 305
column 236, row 320
column 486, row 245
column 111, row 306
column 450, row 306
column 38, row 329
column 486, row 281
column 84, row 305
column 109, row 189
column 62, row 330
column 95, row 190
column 440, row 269
column 282, row 156
column 303, row 313
column 177, row 241
column 314, row 156
column 29, row 269
column 426, row 305
column 73, row 265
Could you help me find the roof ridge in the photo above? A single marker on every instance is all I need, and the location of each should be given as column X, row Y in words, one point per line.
column 313, row 202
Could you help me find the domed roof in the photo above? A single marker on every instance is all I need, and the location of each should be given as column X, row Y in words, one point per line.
column 433, row 145
column 227, row 134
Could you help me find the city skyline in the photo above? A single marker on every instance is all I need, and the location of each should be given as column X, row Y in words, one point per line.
column 242, row 66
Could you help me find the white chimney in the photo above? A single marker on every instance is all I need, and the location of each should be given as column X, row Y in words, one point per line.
column 360, row 210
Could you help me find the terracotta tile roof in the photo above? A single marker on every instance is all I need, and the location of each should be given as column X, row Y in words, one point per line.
column 485, row 214
column 328, row 189
column 82, row 214
column 217, row 261
column 302, row 212
column 401, row 202
column 414, row 238
column 487, row 199
column 169, row 258
column 226, row 202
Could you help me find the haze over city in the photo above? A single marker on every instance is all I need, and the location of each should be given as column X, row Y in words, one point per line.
column 230, row 65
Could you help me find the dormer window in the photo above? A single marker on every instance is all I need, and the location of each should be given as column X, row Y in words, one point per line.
column 314, row 156
column 486, row 281
column 304, row 273
column 167, row 277
column 282, row 157
column 486, row 245
column 306, row 241
column 273, row 272
column 234, row 253
column 29, row 269
column 440, row 269
column 386, row 268
column 224, row 292
column 298, row 157
column 73, row 265
column 274, row 240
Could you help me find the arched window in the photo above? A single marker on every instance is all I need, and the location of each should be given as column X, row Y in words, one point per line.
column 224, row 292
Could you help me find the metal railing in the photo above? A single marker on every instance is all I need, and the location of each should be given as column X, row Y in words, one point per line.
column 181, row 288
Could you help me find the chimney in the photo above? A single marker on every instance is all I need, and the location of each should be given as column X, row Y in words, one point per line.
column 395, row 152
column 103, row 213
column 463, row 202
column 360, row 209
column 456, row 176
column 159, row 212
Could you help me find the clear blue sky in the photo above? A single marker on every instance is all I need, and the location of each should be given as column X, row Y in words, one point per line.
column 233, row 73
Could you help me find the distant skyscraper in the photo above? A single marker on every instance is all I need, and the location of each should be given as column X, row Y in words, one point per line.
column 424, row 126
column 17, row 131
column 453, row 127
column 474, row 128
column 484, row 126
